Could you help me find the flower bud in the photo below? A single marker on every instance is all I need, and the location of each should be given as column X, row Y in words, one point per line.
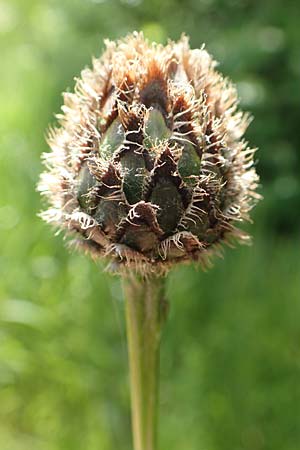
column 148, row 166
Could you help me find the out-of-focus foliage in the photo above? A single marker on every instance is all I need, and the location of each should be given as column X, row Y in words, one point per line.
column 230, row 356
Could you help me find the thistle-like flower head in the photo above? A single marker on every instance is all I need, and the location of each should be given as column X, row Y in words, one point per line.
column 148, row 166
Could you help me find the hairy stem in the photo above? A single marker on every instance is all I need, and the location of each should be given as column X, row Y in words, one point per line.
column 145, row 314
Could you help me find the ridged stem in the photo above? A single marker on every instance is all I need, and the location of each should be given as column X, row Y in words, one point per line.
column 145, row 314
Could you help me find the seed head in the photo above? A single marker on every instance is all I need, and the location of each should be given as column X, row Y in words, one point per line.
column 148, row 166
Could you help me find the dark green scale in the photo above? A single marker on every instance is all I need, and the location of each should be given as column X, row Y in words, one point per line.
column 155, row 129
column 109, row 214
column 134, row 176
column 86, row 182
column 112, row 139
column 189, row 164
column 166, row 196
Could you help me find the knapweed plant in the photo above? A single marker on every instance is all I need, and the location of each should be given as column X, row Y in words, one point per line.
column 148, row 168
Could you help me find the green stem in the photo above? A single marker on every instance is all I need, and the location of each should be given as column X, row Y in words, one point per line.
column 145, row 313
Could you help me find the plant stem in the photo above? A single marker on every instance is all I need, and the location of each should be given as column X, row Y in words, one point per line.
column 145, row 313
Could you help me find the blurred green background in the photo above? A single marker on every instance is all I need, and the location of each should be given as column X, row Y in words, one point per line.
column 230, row 355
